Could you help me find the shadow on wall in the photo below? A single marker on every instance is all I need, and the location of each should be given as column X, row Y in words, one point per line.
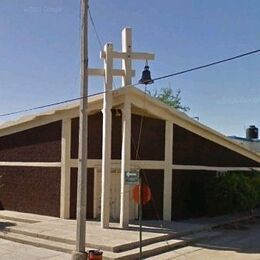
column 1, row 205
column 188, row 196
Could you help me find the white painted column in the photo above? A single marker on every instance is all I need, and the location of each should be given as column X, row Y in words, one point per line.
column 125, row 163
column 106, row 138
column 127, row 61
column 65, row 169
column 167, row 192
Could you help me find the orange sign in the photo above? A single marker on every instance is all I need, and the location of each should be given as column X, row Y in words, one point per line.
column 146, row 192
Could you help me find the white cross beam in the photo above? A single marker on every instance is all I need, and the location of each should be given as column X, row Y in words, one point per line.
column 127, row 55
column 126, row 73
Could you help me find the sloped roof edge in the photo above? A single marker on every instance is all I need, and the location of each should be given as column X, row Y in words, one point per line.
column 174, row 113
column 134, row 94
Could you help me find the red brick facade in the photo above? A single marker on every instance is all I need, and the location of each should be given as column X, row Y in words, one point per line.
column 37, row 190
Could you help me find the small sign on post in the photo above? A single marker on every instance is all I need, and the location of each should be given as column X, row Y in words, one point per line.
column 132, row 177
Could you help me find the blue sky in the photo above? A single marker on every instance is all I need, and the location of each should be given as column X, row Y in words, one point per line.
column 40, row 43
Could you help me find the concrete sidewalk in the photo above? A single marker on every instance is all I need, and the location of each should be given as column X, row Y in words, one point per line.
column 113, row 239
column 59, row 234
column 235, row 243
column 15, row 251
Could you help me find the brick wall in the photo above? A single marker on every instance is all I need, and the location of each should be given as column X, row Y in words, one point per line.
column 30, row 189
column 39, row 144
column 151, row 139
column 192, row 149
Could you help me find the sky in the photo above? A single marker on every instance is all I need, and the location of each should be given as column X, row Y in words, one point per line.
column 40, row 53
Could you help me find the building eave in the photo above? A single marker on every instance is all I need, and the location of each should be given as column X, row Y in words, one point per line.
column 139, row 99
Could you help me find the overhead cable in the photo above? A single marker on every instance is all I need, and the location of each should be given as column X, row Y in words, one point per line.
column 206, row 65
column 95, row 30
column 49, row 105
column 158, row 78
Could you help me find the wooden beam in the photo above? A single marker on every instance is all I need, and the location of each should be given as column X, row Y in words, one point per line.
column 115, row 72
column 116, row 164
column 133, row 55
column 212, row 168
column 167, row 190
column 65, row 169
column 127, row 62
column 32, row 164
column 106, row 138
column 125, row 163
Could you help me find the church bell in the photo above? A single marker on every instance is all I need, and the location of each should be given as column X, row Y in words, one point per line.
column 146, row 76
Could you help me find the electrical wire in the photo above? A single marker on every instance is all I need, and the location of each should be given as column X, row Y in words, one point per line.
column 206, row 65
column 137, row 154
column 98, row 38
column 49, row 105
column 136, row 84
column 95, row 29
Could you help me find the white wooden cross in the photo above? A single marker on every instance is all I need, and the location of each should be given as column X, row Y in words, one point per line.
column 108, row 55
column 126, row 55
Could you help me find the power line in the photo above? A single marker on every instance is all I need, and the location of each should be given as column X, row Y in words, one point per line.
column 95, row 29
column 49, row 105
column 98, row 37
column 206, row 65
column 159, row 78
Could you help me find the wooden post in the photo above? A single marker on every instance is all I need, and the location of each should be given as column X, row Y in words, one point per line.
column 127, row 61
column 65, row 169
column 106, row 141
column 108, row 54
column 167, row 192
column 125, row 163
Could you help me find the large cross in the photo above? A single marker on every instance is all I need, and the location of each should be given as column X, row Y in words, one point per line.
column 126, row 55
column 126, row 73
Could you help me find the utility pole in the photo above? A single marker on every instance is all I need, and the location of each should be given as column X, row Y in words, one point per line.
column 79, row 253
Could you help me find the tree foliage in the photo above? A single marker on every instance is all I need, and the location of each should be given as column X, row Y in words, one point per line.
column 233, row 192
column 167, row 96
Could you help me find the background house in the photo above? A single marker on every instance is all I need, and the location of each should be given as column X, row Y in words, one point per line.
column 251, row 140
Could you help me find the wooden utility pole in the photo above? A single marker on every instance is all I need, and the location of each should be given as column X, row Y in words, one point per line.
column 79, row 253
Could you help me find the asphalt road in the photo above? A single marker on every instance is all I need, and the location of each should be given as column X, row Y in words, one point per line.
column 234, row 243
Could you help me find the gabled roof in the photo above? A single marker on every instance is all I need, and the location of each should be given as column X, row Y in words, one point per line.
column 142, row 103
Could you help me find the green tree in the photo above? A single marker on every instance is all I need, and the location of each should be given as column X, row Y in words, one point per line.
column 233, row 192
column 167, row 96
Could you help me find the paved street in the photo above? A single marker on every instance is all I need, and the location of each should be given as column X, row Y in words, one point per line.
column 234, row 244
column 16, row 251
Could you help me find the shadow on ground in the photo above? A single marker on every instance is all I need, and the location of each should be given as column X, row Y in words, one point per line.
column 241, row 237
column 4, row 225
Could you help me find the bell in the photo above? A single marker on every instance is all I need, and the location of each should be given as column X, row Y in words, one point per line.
column 146, row 76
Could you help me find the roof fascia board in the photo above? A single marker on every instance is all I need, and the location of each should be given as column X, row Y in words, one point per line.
column 68, row 111
column 164, row 112
column 34, row 122
column 140, row 100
